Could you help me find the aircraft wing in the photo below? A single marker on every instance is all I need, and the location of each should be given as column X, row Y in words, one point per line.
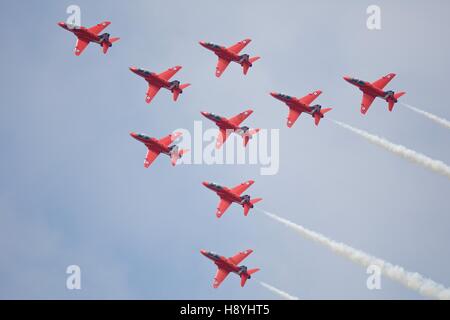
column 222, row 64
column 151, row 92
column 99, row 27
column 383, row 81
column 292, row 117
column 222, row 207
column 310, row 97
column 167, row 140
column 240, row 188
column 80, row 46
column 169, row 73
column 222, row 137
column 150, row 157
column 236, row 48
column 237, row 119
column 238, row 257
column 221, row 274
column 366, row 102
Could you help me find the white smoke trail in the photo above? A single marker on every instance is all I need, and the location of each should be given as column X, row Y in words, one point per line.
column 443, row 122
column 282, row 294
column 411, row 280
column 411, row 155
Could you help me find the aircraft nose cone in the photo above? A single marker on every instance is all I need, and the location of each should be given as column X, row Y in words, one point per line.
column 133, row 69
column 205, row 183
column 274, row 94
column 346, row 78
column 202, row 43
column 61, row 24
column 133, row 134
column 203, row 252
column 204, row 113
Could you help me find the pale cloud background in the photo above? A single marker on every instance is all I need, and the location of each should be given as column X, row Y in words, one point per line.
column 74, row 190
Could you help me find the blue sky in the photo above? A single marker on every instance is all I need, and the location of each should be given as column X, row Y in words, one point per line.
column 74, row 190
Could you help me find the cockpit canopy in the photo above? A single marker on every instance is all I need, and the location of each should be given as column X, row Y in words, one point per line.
column 213, row 254
column 147, row 73
column 215, row 185
column 215, row 116
column 212, row 45
column 284, row 96
column 357, row 81
column 143, row 136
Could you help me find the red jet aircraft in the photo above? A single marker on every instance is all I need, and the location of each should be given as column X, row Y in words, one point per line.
column 227, row 126
column 226, row 55
column 158, row 81
column 228, row 196
column 227, row 265
column 299, row 105
column 87, row 35
column 155, row 147
column 375, row 89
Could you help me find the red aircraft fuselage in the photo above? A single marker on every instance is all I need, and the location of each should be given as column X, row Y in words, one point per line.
column 151, row 143
column 231, row 54
column 298, row 106
column 295, row 103
column 81, row 32
column 88, row 35
column 221, row 122
column 223, row 52
column 157, row 81
column 367, row 87
column 374, row 90
column 152, row 77
column 224, row 263
column 224, row 192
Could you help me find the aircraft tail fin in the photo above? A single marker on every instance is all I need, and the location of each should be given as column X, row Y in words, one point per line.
column 177, row 154
column 320, row 114
column 247, row 65
column 247, row 275
column 177, row 91
column 108, row 43
column 248, row 135
column 105, row 47
column 250, row 204
column 391, row 102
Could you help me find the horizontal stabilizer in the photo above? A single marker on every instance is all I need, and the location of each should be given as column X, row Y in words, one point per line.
column 391, row 102
column 247, row 275
column 319, row 115
column 176, row 155
column 249, row 205
column 247, row 65
column 177, row 91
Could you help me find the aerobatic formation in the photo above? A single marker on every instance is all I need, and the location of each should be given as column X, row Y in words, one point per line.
column 226, row 126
